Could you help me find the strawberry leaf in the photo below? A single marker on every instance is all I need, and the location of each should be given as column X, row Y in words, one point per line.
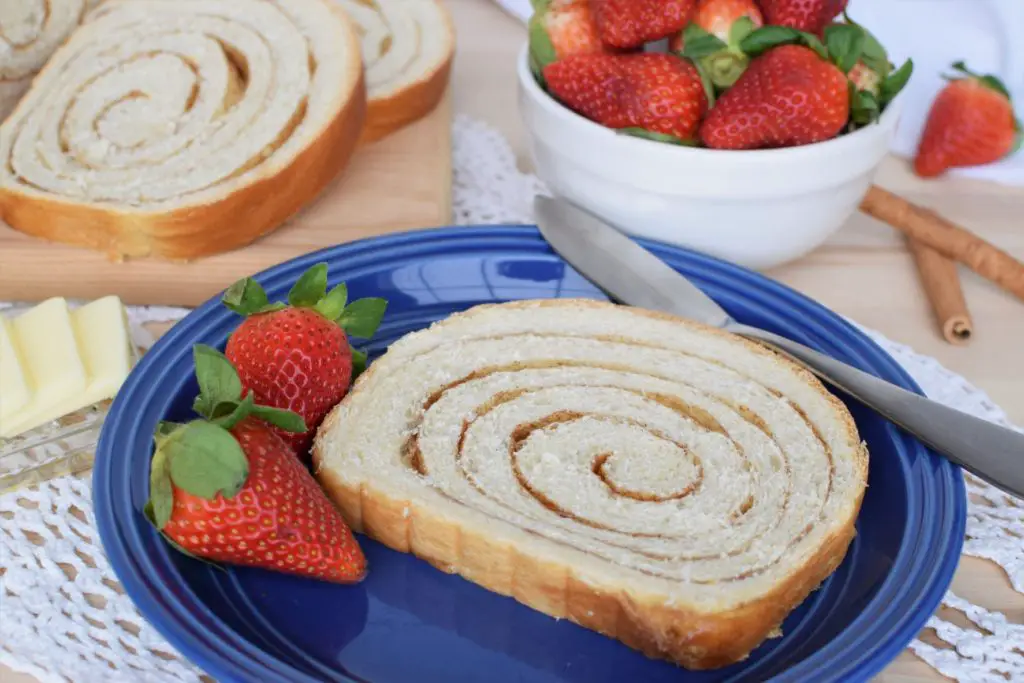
column 741, row 28
column 537, row 71
column 246, row 297
column 698, row 43
column 995, row 84
column 656, row 136
column 767, row 37
column 205, row 460
column 542, row 50
column 161, row 493
column 864, row 106
column 895, row 82
column 218, row 380
column 362, row 317
column 845, row 45
column 283, row 419
column 332, row 305
column 875, row 57
column 1018, row 138
column 358, row 363
column 230, row 413
column 705, row 80
column 310, row 287
column 988, row 80
column 164, row 429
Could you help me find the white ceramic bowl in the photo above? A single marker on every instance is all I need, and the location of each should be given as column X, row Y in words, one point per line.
column 756, row 208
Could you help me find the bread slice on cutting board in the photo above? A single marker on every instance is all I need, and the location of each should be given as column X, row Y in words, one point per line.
column 407, row 48
column 183, row 128
column 666, row 484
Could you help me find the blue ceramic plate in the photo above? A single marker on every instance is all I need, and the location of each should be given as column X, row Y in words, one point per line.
column 409, row 622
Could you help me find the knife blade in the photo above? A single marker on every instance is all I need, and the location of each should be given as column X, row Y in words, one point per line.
column 631, row 275
column 611, row 261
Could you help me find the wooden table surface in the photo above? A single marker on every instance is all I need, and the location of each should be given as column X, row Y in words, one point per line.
column 863, row 272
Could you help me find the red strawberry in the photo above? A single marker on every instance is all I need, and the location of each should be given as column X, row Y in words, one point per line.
column 297, row 357
column 788, row 96
column 713, row 37
column 560, row 29
column 804, row 15
column 631, row 23
column 656, row 93
column 970, row 123
column 229, row 489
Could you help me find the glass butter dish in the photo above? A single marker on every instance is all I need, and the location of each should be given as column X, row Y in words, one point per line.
column 60, row 365
column 62, row 446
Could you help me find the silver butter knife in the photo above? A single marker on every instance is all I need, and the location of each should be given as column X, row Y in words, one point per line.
column 630, row 274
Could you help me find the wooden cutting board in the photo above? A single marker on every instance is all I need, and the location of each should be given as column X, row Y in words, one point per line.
column 399, row 183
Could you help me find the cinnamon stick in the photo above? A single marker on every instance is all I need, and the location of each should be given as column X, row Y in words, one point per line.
column 947, row 238
column 941, row 283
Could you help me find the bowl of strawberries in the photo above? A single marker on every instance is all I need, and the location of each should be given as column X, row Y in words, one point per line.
column 747, row 130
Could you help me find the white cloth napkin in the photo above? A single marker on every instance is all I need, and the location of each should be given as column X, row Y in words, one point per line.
column 935, row 33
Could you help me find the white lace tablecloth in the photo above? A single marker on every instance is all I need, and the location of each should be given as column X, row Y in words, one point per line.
column 64, row 617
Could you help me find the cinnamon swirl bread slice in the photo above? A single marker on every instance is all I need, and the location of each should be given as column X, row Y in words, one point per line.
column 30, row 31
column 181, row 128
column 667, row 484
column 407, row 48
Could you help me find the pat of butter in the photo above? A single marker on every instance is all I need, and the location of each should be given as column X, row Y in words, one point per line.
column 14, row 392
column 69, row 359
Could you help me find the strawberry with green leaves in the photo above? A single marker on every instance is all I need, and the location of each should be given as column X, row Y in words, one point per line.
column 970, row 123
column 296, row 356
column 560, row 29
column 653, row 95
column 796, row 90
column 713, row 37
column 874, row 80
column 628, row 24
column 227, row 488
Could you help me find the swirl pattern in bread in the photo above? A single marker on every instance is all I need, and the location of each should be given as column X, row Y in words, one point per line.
column 407, row 49
column 30, row 31
column 181, row 128
column 667, row 484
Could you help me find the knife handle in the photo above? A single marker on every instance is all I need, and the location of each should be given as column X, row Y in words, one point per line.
column 991, row 452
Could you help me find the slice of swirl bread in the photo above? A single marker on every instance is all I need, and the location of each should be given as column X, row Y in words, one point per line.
column 30, row 31
column 667, row 484
column 407, row 48
column 180, row 128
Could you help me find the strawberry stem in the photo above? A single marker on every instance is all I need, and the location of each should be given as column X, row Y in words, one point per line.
column 724, row 69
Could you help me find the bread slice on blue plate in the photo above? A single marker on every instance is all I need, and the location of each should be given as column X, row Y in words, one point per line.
column 664, row 483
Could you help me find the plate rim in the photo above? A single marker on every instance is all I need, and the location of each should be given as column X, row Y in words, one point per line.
column 241, row 655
